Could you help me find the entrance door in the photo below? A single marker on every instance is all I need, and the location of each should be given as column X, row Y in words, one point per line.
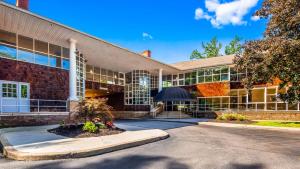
column 14, row 97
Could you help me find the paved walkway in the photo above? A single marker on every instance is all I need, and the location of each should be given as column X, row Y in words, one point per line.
column 192, row 147
column 36, row 143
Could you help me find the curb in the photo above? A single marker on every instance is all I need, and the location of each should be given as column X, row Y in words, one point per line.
column 10, row 152
column 230, row 125
column 187, row 122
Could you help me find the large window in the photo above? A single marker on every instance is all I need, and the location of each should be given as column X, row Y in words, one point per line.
column 258, row 99
column 9, row 90
column 104, row 76
column 26, row 49
column 137, row 92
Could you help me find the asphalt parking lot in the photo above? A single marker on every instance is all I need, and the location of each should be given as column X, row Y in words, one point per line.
column 190, row 147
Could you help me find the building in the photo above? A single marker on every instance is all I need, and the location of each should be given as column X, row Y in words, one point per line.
column 45, row 65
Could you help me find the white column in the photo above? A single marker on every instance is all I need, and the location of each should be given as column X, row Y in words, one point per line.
column 72, row 71
column 160, row 83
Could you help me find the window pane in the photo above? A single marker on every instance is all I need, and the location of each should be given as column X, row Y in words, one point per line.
column 216, row 70
column 41, row 46
column 8, row 52
column 200, row 72
column 224, row 77
column 224, row 70
column 200, row 79
column 208, row 79
column 55, row 50
column 8, row 38
column 96, row 70
column 216, row 78
column 54, row 61
column 25, row 42
column 24, row 91
column 66, row 64
column 66, row 53
column 41, row 59
column 257, row 95
column 25, row 55
column 208, row 72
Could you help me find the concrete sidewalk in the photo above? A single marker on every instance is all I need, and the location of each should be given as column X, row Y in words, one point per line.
column 35, row 143
column 218, row 124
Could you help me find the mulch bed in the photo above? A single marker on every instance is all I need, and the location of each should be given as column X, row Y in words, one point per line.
column 75, row 131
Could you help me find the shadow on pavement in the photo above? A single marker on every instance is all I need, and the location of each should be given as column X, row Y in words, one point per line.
column 128, row 162
column 246, row 166
column 133, row 125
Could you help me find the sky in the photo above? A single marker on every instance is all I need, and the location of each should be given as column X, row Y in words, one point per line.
column 171, row 29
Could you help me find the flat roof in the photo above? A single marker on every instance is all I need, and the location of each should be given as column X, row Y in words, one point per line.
column 97, row 51
column 208, row 62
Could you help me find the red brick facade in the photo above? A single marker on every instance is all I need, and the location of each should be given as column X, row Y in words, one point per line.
column 45, row 82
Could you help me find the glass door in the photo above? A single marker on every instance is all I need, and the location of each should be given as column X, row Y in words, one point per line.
column 24, row 101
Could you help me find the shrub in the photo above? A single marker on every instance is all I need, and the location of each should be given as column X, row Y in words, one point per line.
column 101, row 126
column 95, row 110
column 90, row 127
column 231, row 117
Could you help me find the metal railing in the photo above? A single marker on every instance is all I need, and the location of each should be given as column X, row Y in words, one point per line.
column 14, row 105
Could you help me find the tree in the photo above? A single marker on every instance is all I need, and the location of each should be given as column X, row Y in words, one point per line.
column 276, row 57
column 211, row 49
column 234, row 47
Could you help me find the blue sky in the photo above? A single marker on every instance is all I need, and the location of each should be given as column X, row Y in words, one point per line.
column 171, row 28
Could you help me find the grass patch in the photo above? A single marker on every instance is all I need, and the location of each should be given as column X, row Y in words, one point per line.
column 277, row 124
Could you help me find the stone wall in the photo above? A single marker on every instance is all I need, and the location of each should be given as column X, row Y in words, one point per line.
column 45, row 82
column 130, row 114
column 31, row 119
column 262, row 115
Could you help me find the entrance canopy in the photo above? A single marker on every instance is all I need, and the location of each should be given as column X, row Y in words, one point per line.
column 173, row 94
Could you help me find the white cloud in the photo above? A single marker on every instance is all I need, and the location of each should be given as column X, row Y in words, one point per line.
column 220, row 14
column 146, row 36
column 255, row 18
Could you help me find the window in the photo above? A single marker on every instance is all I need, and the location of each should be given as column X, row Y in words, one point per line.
column 54, row 50
column 55, row 61
column 66, row 64
column 8, row 51
column 41, row 46
column 24, row 91
column 66, row 53
column 25, row 55
column 9, row 90
column 25, row 42
column 8, row 38
column 41, row 59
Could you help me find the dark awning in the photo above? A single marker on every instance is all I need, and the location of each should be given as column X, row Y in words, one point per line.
column 173, row 94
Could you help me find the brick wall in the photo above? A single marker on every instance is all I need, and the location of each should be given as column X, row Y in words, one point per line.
column 45, row 82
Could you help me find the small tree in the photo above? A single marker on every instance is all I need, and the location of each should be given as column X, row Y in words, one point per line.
column 234, row 47
column 211, row 49
column 95, row 110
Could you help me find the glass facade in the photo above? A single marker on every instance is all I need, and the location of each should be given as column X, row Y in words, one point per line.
column 203, row 75
column 104, row 76
column 259, row 99
column 137, row 88
column 18, row 47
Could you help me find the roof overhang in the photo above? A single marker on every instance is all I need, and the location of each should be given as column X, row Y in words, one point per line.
column 97, row 52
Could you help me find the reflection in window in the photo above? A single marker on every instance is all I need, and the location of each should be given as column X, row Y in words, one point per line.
column 8, row 52
column 54, row 61
column 41, row 59
column 25, row 55
column 54, row 50
column 8, row 38
column 24, row 91
column 41, row 46
column 66, row 64
column 25, row 42
column 9, row 90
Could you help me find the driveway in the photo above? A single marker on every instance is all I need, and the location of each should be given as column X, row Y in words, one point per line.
column 190, row 147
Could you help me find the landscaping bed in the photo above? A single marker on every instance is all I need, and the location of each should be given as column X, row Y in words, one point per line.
column 76, row 131
column 240, row 119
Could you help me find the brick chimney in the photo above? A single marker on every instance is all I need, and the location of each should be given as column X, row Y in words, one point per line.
column 24, row 4
column 147, row 53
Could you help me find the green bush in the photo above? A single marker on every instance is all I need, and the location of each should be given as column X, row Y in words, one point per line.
column 101, row 126
column 90, row 127
column 231, row 117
